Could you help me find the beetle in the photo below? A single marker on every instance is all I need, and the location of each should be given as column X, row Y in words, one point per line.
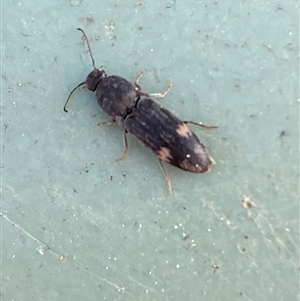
column 157, row 128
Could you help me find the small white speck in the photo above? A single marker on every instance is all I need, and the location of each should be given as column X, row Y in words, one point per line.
column 188, row 156
column 287, row 230
column 41, row 251
column 209, row 230
column 177, row 266
column 115, row 258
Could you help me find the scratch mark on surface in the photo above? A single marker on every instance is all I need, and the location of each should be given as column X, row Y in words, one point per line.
column 119, row 288
column 27, row 233
column 218, row 213
column 148, row 289
column 261, row 217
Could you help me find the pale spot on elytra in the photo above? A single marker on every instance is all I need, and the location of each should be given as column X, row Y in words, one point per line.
column 183, row 130
column 164, row 154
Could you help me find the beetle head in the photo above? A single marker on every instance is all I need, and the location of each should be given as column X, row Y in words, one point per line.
column 94, row 78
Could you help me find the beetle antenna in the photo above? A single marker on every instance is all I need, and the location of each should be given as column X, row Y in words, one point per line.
column 78, row 86
column 87, row 41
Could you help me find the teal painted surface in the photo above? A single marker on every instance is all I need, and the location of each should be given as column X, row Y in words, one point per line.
column 76, row 225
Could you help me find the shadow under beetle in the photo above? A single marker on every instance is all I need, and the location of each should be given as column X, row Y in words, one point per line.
column 157, row 128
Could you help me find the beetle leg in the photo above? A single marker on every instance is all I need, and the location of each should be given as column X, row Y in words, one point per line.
column 108, row 122
column 140, row 92
column 137, row 79
column 137, row 87
column 202, row 124
column 126, row 146
column 166, row 175
column 163, row 93
column 105, row 122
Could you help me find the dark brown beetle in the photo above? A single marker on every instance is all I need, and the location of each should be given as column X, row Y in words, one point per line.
column 157, row 128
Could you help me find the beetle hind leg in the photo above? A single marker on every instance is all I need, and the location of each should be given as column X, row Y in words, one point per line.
column 166, row 175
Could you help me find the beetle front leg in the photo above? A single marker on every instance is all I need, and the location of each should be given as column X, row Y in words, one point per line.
column 140, row 92
column 105, row 123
